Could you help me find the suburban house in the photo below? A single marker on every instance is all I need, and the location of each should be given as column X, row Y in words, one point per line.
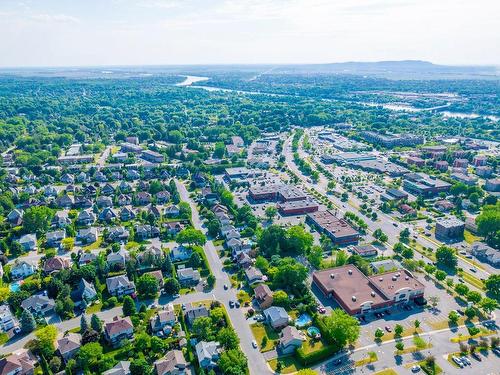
column 163, row 318
column 188, row 276
column 87, row 236
column 85, row 217
column 15, row 217
column 290, row 340
column 68, row 345
column 118, row 329
column 118, row 234
column 21, row 362
column 195, row 312
column 119, row 258
column 180, row 253
column 486, row 253
column 121, row 368
column 56, row 264
column 84, row 292
column 172, row 364
column 143, row 232
column 208, row 354
column 158, row 276
column 120, row 286
column 253, row 275
column 86, row 258
column 28, row 242
column 39, row 304
column 7, row 320
column 22, row 268
column 276, row 317
column 263, row 296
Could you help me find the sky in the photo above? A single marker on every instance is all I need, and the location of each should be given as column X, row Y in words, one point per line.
column 162, row 32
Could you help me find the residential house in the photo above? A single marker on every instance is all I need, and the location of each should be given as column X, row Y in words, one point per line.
column 276, row 317
column 120, row 258
column 143, row 198
column 21, row 362
column 180, row 253
column 15, row 217
column 163, row 319
column 39, row 304
column 87, row 236
column 85, row 291
column 290, row 340
column 68, row 345
column 7, row 319
column 120, row 286
column 55, row 238
column 22, row 268
column 253, row 275
column 82, row 202
column 244, row 260
column 127, row 214
column 172, row 211
column 162, row 197
column 117, row 330
column 158, row 276
column 174, row 227
column 61, row 219
column 121, row 368
column 263, row 296
column 68, row 178
column 65, row 201
column 172, row 364
column 107, row 215
column 193, row 312
column 56, row 264
column 85, row 217
column 143, row 232
column 124, row 200
column 104, row 201
column 208, row 354
column 118, row 234
column 86, row 258
column 486, row 253
column 108, row 189
column 28, row 242
column 188, row 276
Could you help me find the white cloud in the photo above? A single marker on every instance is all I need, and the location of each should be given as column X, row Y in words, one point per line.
column 54, row 18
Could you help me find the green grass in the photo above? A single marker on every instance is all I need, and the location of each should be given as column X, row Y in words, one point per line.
column 94, row 308
column 372, row 357
column 472, row 280
column 260, row 331
column 429, row 371
column 461, row 338
column 311, row 345
column 290, row 365
column 470, row 238
column 93, row 246
column 3, row 338
column 388, row 371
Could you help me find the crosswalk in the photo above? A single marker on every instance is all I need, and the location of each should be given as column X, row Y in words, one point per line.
column 343, row 369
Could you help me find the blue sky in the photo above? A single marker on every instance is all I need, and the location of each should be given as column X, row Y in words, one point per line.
column 136, row 32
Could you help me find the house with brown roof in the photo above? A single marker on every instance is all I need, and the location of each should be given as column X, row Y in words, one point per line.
column 172, row 364
column 118, row 329
column 68, row 345
column 263, row 296
column 21, row 362
column 56, row 264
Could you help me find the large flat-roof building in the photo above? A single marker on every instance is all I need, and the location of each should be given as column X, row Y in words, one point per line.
column 298, row 207
column 276, row 192
column 339, row 230
column 450, row 228
column 423, row 184
column 358, row 294
column 392, row 140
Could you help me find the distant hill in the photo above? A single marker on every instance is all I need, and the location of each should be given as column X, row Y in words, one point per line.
column 406, row 69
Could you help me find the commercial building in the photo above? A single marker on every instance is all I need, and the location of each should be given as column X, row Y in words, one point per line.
column 365, row 250
column 449, row 229
column 349, row 157
column 492, row 185
column 480, row 160
column 415, row 160
column 392, row 140
column 130, row 147
column 463, row 178
column 339, row 230
column 358, row 294
column 393, row 195
column 380, row 166
column 425, row 185
column 237, row 174
column 276, row 192
column 298, row 207
column 76, row 159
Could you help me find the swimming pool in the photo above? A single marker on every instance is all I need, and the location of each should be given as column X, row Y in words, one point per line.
column 313, row 332
column 303, row 320
column 15, row 286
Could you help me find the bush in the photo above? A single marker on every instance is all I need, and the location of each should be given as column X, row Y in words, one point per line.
column 316, row 356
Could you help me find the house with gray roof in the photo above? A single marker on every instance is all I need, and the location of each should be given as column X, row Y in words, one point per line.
column 276, row 316
column 208, row 354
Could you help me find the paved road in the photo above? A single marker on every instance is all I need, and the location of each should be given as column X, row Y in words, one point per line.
column 385, row 222
column 256, row 362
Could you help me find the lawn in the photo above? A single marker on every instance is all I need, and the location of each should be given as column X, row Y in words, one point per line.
column 289, row 365
column 409, row 331
column 412, row 349
column 93, row 246
column 470, row 238
column 3, row 338
column 311, row 345
column 260, row 331
column 472, row 280
column 429, row 371
column 94, row 308
column 461, row 338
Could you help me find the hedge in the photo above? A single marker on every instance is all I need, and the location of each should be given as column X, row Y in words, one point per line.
column 316, row 356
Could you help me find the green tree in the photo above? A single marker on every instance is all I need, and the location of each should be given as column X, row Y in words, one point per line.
column 191, row 236
column 290, row 274
column 203, row 328
column 298, row 240
column 233, row 362
column 228, row 338
column 157, row 345
column 474, row 297
column 453, row 317
column 488, row 224
column 488, row 304
column 128, row 306
column 341, row 328
column 147, row 286
column 400, row 346
column 96, row 323
column 315, row 256
column 172, row 286
column 379, row 334
column 492, row 285
column 461, row 289
column 89, row 355
column 37, row 219
column 271, row 212
column 470, row 312
column 45, row 340
column 280, row 298
column 407, row 253
column 440, row 275
column 28, row 323
column 446, row 256
column 398, row 329
column 55, row 364
column 84, row 325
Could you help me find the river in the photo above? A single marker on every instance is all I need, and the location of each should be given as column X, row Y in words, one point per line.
column 191, row 80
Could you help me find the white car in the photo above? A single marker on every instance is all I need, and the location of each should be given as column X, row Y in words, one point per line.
column 415, row 368
column 254, row 344
column 457, row 361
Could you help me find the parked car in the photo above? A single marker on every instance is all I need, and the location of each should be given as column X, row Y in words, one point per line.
column 476, row 356
column 415, row 368
column 457, row 361
column 388, row 329
column 259, row 318
column 254, row 344
column 231, row 303
column 466, row 361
